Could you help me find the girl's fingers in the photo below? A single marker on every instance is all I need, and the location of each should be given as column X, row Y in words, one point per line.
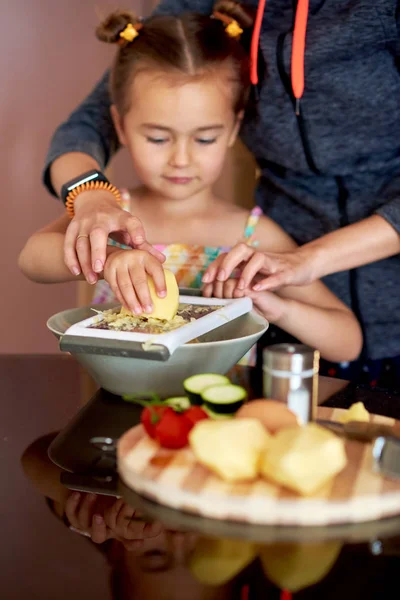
column 127, row 292
column 156, row 272
column 229, row 288
column 218, row 289
column 100, row 534
column 140, row 288
column 71, row 507
column 85, row 512
column 123, row 519
column 112, row 282
column 207, row 290
column 111, row 514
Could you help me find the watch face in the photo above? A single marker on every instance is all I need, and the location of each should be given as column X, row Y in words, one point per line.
column 83, row 179
column 92, row 176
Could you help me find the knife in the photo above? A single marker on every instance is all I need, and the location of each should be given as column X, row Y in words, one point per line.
column 360, row 430
column 385, row 438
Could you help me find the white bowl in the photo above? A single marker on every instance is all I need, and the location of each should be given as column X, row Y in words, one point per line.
column 216, row 352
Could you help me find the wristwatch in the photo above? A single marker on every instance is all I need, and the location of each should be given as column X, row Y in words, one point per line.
column 91, row 180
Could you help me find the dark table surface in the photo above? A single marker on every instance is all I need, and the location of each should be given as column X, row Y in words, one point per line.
column 188, row 558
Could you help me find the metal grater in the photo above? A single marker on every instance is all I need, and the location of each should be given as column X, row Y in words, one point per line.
column 159, row 347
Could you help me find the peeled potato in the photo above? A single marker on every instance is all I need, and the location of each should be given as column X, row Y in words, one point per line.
column 217, row 561
column 163, row 308
column 294, row 566
column 231, row 448
column 304, row 458
column 273, row 415
column 356, row 412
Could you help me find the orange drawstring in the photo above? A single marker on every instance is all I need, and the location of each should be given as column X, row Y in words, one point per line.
column 255, row 39
column 298, row 51
column 298, row 48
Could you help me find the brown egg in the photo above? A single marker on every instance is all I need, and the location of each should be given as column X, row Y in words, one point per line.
column 273, row 415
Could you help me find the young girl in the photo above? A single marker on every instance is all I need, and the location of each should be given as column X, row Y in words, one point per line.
column 179, row 86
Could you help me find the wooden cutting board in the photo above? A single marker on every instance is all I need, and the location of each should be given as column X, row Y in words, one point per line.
column 174, row 478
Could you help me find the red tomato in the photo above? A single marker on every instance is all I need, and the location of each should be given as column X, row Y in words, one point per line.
column 195, row 414
column 172, row 430
column 151, row 415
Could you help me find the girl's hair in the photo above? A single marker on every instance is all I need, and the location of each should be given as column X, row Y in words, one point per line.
column 190, row 44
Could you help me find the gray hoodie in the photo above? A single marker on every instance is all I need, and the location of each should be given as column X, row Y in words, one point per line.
column 337, row 163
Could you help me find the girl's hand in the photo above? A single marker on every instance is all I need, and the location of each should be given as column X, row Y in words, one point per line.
column 269, row 305
column 97, row 215
column 126, row 272
column 119, row 521
column 278, row 269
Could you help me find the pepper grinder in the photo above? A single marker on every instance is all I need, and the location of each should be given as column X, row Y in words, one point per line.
column 290, row 375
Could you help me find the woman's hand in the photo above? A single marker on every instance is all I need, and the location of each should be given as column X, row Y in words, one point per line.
column 268, row 304
column 102, row 519
column 97, row 215
column 126, row 272
column 273, row 270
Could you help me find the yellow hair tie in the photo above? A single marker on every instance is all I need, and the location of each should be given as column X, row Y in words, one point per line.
column 129, row 33
column 232, row 27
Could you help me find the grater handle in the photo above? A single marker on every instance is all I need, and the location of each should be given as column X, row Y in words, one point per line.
column 77, row 344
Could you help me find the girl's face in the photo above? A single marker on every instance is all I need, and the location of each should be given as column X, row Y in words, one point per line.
column 178, row 133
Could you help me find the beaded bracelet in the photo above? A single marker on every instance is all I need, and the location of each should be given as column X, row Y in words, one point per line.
column 87, row 187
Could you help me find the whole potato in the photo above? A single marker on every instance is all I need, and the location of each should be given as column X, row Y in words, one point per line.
column 274, row 415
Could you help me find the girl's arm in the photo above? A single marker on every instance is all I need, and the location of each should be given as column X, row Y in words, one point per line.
column 331, row 328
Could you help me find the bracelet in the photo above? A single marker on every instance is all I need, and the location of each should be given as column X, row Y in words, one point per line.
column 87, row 187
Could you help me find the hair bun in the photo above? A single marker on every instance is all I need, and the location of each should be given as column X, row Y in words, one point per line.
column 109, row 30
column 244, row 15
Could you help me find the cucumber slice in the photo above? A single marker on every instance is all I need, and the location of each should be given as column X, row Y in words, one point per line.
column 215, row 416
column 178, row 402
column 196, row 384
column 223, row 399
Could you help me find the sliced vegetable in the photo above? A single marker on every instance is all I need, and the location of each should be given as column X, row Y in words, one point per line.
column 216, row 416
column 231, row 448
column 178, row 402
column 224, row 399
column 196, row 384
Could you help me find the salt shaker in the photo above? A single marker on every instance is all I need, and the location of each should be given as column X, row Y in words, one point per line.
column 291, row 376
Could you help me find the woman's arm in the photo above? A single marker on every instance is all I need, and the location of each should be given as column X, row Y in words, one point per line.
column 88, row 135
column 312, row 313
column 42, row 258
column 365, row 242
